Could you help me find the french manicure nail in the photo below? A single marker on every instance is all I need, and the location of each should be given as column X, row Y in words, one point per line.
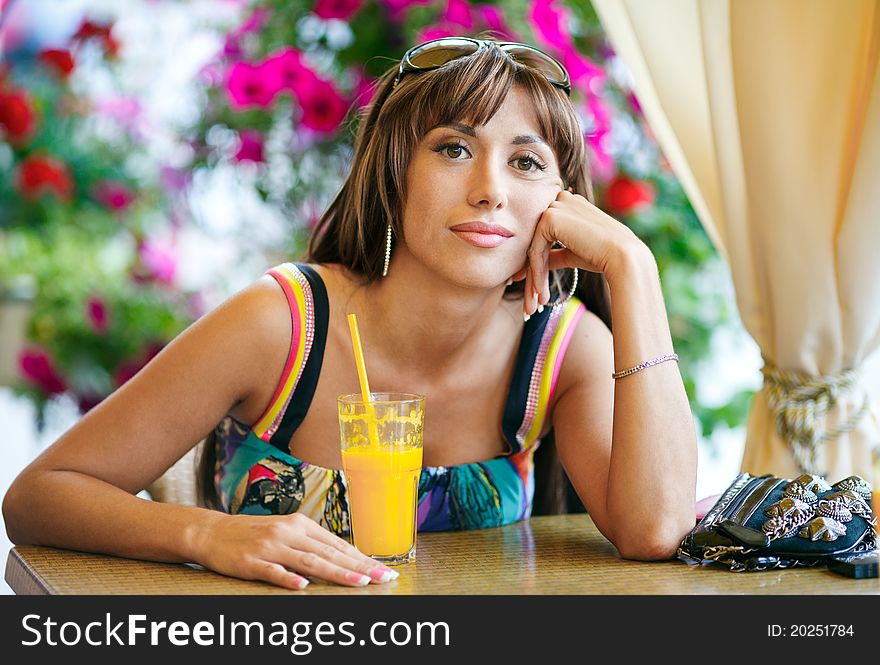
column 526, row 317
column 540, row 308
column 302, row 583
column 509, row 282
column 357, row 578
column 382, row 575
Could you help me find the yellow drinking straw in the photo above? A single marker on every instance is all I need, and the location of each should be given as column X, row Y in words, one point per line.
column 362, row 377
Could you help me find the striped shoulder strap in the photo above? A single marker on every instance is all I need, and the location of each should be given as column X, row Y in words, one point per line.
column 309, row 314
column 545, row 340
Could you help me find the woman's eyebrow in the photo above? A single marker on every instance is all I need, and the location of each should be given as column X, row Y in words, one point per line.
column 519, row 140
column 470, row 131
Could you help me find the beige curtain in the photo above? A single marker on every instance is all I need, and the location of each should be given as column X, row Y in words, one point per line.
column 769, row 113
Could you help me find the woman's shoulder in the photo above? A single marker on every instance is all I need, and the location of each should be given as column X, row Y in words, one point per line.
column 258, row 317
column 589, row 356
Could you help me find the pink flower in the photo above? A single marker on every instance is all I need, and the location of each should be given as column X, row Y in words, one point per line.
column 285, row 70
column 156, row 263
column 126, row 112
column 36, row 366
column 211, row 74
column 174, row 180
column 494, row 20
column 634, row 101
column 323, row 108
column 96, row 310
column 255, row 21
column 247, row 86
column 364, row 87
column 341, row 9
column 435, row 32
column 250, row 147
column 549, row 24
column 584, row 73
column 600, row 114
column 232, row 49
column 120, row 108
column 601, row 162
column 196, row 305
column 114, row 195
column 396, row 8
column 458, row 12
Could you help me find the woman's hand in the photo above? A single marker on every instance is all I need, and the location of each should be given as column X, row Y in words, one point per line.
column 592, row 241
column 283, row 550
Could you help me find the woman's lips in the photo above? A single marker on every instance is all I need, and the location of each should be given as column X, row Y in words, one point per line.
column 481, row 239
column 481, row 234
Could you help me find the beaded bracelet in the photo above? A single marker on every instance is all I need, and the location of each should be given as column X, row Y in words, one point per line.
column 645, row 365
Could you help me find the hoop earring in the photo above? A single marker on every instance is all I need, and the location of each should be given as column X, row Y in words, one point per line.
column 570, row 294
column 387, row 252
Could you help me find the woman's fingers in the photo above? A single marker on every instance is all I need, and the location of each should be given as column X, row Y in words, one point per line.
column 563, row 258
column 349, row 558
column 278, row 575
column 315, row 565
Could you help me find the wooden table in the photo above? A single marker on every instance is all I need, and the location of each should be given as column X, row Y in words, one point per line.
column 544, row 555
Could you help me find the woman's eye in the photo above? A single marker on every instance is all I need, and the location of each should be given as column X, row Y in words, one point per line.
column 451, row 150
column 526, row 164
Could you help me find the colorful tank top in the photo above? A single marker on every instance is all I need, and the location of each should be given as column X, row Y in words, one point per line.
column 256, row 473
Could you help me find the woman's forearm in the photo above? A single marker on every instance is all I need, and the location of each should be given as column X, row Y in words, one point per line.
column 72, row 510
column 652, row 473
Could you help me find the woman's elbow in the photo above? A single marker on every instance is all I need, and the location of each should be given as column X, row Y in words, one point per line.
column 657, row 544
column 15, row 510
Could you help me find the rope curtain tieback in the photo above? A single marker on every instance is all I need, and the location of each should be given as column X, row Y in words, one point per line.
column 800, row 401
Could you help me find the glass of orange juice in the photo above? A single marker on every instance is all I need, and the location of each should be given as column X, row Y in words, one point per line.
column 381, row 442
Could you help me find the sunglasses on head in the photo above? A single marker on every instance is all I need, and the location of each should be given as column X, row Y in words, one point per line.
column 438, row 52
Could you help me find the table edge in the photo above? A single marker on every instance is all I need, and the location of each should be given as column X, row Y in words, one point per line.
column 22, row 578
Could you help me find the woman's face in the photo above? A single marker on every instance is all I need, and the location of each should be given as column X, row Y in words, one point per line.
column 475, row 194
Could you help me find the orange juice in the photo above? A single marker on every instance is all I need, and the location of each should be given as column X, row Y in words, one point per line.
column 383, row 486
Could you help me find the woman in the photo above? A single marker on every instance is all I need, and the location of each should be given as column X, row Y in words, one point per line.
column 454, row 241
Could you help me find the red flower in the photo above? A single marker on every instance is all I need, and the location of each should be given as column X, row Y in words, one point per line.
column 96, row 310
column 17, row 115
column 88, row 402
column 250, row 148
column 114, row 195
column 323, row 108
column 626, row 195
column 128, row 369
column 249, row 85
column 58, row 60
column 40, row 174
column 342, row 9
column 100, row 32
column 36, row 366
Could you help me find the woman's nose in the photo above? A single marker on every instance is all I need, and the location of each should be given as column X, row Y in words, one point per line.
column 487, row 187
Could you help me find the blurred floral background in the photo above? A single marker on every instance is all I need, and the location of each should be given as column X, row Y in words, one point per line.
column 156, row 156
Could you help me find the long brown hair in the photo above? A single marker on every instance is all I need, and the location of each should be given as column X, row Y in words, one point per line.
column 352, row 231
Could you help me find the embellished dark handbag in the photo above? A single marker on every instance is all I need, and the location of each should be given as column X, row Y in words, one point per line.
column 763, row 522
